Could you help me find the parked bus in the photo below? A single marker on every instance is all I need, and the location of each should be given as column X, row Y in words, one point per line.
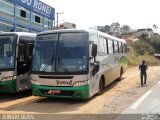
column 15, row 60
column 74, row 63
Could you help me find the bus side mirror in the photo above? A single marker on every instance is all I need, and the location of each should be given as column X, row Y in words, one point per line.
column 94, row 50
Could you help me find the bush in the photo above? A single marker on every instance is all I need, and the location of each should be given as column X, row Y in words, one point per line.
column 135, row 60
column 142, row 48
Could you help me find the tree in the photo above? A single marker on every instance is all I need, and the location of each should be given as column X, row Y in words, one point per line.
column 155, row 42
column 147, row 45
column 142, row 48
column 143, row 45
column 144, row 37
column 125, row 29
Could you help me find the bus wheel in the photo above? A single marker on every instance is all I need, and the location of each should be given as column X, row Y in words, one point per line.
column 101, row 86
column 121, row 72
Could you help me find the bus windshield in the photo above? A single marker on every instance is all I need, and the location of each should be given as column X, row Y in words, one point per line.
column 7, row 51
column 61, row 52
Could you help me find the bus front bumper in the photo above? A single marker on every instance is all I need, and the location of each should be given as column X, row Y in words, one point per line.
column 8, row 86
column 78, row 92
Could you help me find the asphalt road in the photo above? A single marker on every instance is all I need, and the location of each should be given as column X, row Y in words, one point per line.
column 147, row 107
column 149, row 103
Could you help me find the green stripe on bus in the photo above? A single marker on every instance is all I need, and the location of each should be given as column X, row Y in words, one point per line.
column 79, row 92
column 8, row 86
column 123, row 60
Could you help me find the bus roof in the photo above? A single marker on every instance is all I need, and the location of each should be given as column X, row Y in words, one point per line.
column 18, row 33
column 63, row 30
column 111, row 37
column 90, row 31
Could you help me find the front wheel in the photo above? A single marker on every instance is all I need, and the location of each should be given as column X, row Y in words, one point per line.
column 101, row 87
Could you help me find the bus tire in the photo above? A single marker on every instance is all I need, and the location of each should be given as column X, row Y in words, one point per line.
column 101, row 86
column 121, row 73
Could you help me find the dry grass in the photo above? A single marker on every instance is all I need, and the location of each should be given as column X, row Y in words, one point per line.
column 134, row 60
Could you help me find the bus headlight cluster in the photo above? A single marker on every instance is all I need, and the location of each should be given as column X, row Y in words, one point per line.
column 80, row 83
column 8, row 78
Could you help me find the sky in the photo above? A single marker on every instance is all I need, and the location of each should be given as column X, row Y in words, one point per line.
column 89, row 13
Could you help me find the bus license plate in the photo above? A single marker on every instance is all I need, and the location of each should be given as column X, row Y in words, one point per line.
column 54, row 92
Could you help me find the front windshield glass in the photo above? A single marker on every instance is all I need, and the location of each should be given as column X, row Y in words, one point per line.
column 7, row 51
column 44, row 55
column 63, row 52
column 72, row 52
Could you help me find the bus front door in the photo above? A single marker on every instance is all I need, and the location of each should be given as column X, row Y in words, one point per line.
column 23, row 66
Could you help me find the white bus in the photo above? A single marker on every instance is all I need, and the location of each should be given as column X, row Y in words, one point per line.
column 15, row 60
column 75, row 63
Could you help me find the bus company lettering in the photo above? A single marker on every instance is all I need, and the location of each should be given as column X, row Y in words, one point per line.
column 28, row 2
column 64, row 82
column 42, row 7
column 38, row 6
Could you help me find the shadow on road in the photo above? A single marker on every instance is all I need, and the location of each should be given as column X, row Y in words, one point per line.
column 113, row 84
column 58, row 105
column 14, row 96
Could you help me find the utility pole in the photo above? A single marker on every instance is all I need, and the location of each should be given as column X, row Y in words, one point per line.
column 58, row 16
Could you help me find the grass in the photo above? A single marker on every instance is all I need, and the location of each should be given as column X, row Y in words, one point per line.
column 135, row 60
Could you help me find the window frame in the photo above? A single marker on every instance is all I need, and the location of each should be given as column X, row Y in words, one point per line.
column 33, row 18
column 110, row 46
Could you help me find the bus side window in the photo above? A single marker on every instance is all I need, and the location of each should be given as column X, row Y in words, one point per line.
column 102, row 46
column 124, row 48
column 120, row 47
column 107, row 46
column 113, row 46
column 110, row 46
column 116, row 48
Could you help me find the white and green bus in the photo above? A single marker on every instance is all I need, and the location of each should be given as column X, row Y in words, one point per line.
column 15, row 60
column 75, row 63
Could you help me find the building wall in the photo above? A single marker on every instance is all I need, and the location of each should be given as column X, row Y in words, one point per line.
column 147, row 31
column 14, row 17
column 66, row 25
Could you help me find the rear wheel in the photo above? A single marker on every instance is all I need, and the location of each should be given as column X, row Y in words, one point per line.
column 121, row 72
column 101, row 86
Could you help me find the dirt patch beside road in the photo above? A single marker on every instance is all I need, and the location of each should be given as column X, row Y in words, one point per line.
column 120, row 94
column 129, row 89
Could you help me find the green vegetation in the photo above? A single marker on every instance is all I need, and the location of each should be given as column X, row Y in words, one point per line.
column 135, row 60
column 144, row 49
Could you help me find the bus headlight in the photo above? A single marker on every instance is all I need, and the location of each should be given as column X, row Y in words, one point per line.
column 8, row 78
column 80, row 83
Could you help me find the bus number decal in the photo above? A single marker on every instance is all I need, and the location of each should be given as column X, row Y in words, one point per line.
column 64, row 82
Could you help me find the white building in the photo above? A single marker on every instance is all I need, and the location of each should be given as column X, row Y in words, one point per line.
column 67, row 25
